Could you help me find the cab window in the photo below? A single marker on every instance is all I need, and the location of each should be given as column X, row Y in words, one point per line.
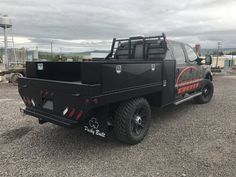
column 178, row 53
column 192, row 56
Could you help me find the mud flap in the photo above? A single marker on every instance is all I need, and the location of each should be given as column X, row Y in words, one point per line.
column 97, row 125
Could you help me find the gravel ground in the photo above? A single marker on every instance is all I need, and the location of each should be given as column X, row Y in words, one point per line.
column 188, row 140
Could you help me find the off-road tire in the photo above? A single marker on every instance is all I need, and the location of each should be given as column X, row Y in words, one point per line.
column 207, row 92
column 124, row 121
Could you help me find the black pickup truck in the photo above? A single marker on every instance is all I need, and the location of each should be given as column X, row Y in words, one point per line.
column 115, row 93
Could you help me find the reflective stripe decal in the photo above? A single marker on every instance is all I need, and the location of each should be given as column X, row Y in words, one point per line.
column 187, row 88
column 188, row 83
column 188, row 79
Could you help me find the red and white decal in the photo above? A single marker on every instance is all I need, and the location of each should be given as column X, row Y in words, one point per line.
column 183, row 86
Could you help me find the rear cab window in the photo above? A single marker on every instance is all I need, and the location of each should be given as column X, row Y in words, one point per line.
column 153, row 50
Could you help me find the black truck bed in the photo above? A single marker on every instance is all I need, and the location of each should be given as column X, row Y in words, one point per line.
column 67, row 89
column 104, row 73
column 88, row 81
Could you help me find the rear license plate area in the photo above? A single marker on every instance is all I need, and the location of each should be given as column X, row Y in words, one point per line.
column 48, row 104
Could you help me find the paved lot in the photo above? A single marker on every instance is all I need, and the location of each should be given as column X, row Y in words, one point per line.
column 188, row 140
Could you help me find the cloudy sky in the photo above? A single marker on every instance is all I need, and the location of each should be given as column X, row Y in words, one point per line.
column 82, row 25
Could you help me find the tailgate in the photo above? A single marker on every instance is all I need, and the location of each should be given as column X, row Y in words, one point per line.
column 56, row 97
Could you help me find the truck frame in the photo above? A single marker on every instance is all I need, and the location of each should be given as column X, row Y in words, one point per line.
column 115, row 93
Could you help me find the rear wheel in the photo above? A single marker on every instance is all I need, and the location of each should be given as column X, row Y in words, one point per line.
column 132, row 121
column 207, row 92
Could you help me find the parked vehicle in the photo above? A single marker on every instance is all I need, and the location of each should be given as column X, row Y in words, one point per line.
column 115, row 94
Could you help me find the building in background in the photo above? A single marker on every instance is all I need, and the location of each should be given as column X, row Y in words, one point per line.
column 224, row 61
column 32, row 55
column 17, row 55
column 20, row 55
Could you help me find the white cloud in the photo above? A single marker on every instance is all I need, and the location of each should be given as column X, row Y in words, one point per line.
column 89, row 24
column 21, row 40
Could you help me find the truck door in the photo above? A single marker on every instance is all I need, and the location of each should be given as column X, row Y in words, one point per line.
column 187, row 71
column 182, row 67
column 195, row 71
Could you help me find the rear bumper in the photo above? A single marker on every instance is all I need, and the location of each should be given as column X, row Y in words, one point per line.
column 96, row 126
column 46, row 117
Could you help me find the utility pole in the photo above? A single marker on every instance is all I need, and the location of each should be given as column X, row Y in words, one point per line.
column 36, row 54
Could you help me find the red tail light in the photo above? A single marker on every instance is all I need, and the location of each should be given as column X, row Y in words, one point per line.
column 25, row 100
column 79, row 114
column 28, row 101
column 71, row 113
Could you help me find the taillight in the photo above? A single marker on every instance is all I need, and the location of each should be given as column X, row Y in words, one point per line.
column 72, row 113
column 79, row 115
column 28, row 101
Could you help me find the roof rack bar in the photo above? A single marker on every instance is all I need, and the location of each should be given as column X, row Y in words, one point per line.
column 120, row 40
column 112, row 49
column 129, row 41
column 137, row 37
column 142, row 37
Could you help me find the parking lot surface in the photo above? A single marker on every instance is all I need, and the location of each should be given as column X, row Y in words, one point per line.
column 187, row 140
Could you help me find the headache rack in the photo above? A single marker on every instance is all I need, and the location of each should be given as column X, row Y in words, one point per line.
column 138, row 47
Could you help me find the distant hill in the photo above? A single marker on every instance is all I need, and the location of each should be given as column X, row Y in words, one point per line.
column 88, row 53
column 212, row 51
column 73, row 54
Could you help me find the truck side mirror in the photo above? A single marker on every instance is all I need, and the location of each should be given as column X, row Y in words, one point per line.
column 208, row 60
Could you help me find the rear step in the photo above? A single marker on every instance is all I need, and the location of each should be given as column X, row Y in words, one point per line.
column 187, row 98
